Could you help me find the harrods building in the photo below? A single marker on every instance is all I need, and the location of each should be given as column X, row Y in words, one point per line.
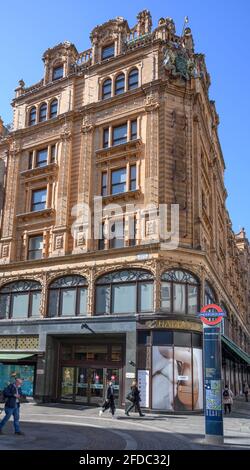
column 130, row 121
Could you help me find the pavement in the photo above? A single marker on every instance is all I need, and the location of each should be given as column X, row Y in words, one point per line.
column 69, row 427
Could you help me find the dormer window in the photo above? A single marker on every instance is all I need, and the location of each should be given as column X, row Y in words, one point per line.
column 108, row 51
column 57, row 72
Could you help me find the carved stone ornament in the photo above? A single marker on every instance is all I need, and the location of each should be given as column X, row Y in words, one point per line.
column 65, row 133
column 179, row 64
column 151, row 102
column 59, row 242
column 87, row 125
column 5, row 251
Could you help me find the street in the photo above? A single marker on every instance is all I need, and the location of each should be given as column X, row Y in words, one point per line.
column 65, row 427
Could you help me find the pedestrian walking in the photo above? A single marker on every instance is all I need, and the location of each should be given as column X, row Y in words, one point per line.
column 134, row 397
column 110, row 400
column 227, row 399
column 12, row 395
column 246, row 390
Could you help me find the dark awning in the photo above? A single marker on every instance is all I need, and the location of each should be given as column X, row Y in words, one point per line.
column 233, row 348
column 14, row 356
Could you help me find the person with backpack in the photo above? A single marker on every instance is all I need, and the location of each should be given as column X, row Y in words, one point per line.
column 110, row 400
column 227, row 399
column 12, row 395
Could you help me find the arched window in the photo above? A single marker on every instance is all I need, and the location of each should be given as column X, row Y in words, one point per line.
column 68, row 296
column 20, row 299
column 120, row 84
column 127, row 291
column 32, row 116
column 53, row 109
column 179, row 292
column 106, row 89
column 210, row 296
column 43, row 112
column 133, row 79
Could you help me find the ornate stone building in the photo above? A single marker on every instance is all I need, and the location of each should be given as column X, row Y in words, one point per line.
column 130, row 120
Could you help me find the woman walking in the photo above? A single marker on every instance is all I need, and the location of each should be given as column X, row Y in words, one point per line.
column 134, row 396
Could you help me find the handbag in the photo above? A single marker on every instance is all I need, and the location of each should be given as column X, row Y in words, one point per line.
column 130, row 397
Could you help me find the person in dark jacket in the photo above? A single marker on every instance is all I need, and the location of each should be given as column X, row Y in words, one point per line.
column 135, row 398
column 12, row 395
column 110, row 400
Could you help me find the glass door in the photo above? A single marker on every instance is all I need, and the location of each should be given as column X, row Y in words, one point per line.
column 96, row 395
column 67, row 384
column 82, row 385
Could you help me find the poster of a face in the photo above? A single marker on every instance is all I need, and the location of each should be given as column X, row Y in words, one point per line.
column 162, row 378
column 198, row 379
column 176, row 381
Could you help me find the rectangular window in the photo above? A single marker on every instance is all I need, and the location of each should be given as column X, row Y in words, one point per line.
column 57, row 72
column 105, row 137
column 30, row 160
column 83, row 301
column 101, row 241
column 133, row 130
column 41, row 157
column 20, row 305
column 118, row 181
column 108, row 51
column 35, row 304
column 124, row 298
column 68, row 300
column 164, row 338
column 102, row 299
column 132, row 178
column 179, row 298
column 117, row 229
column 52, row 154
column 104, row 184
column 145, row 292
column 38, row 201
column 35, row 247
column 119, row 134
column 166, row 296
column 132, row 231
column 192, row 300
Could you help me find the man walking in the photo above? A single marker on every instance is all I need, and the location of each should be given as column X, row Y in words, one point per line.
column 12, row 394
column 227, row 399
column 110, row 400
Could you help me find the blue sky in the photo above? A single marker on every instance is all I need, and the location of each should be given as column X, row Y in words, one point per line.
column 220, row 29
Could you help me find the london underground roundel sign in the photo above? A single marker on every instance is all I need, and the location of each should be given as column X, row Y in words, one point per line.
column 211, row 318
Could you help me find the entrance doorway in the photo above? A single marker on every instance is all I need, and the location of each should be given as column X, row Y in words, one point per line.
column 88, row 385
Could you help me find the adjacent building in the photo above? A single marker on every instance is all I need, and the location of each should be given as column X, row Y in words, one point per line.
column 126, row 124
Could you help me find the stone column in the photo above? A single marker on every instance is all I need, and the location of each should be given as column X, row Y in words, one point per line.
column 60, row 231
column 151, row 151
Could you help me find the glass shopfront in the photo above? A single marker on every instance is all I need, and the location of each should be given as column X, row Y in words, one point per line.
column 86, row 370
column 174, row 359
column 9, row 372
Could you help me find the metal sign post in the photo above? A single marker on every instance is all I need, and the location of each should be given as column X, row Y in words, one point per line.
column 212, row 373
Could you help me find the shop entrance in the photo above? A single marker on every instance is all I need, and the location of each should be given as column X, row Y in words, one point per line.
column 88, row 384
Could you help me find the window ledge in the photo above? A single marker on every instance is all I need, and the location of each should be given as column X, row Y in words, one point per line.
column 127, row 195
column 42, row 170
column 30, row 215
column 130, row 144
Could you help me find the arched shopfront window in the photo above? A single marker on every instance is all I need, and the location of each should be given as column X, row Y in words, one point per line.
column 127, row 291
column 210, row 296
column 68, row 296
column 179, row 292
column 20, row 299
